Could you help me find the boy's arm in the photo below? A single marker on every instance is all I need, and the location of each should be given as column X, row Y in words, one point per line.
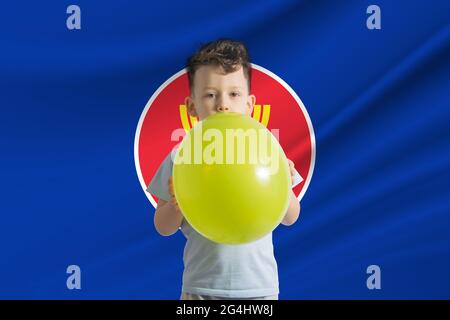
column 168, row 217
column 292, row 212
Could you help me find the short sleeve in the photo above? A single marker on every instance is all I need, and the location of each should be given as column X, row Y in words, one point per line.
column 159, row 186
column 297, row 179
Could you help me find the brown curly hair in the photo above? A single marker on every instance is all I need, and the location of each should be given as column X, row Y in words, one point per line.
column 228, row 54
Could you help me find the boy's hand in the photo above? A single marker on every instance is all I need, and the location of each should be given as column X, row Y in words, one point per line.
column 294, row 206
column 173, row 200
column 292, row 169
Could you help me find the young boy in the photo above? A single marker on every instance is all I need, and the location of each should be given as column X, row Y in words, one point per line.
column 219, row 80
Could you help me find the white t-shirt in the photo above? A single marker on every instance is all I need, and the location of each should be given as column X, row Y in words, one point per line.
column 237, row 271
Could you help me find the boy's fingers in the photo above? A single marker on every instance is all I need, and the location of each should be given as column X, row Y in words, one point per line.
column 291, row 167
column 291, row 164
column 172, row 195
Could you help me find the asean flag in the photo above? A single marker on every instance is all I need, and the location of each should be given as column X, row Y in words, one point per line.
column 165, row 120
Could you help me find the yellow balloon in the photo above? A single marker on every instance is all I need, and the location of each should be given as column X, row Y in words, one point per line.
column 231, row 179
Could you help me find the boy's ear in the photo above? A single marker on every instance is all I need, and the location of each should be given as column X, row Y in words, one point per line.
column 189, row 102
column 251, row 100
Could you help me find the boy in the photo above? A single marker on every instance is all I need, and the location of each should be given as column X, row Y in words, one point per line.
column 219, row 80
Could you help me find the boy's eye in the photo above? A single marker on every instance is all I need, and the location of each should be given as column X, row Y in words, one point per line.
column 235, row 94
column 209, row 95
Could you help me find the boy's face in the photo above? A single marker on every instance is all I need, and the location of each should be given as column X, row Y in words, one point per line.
column 214, row 91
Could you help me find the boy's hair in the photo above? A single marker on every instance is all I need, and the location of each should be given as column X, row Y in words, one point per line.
column 228, row 54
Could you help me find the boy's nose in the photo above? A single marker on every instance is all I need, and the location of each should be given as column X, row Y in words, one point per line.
column 222, row 108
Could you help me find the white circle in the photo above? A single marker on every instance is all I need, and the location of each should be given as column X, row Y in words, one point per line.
column 254, row 66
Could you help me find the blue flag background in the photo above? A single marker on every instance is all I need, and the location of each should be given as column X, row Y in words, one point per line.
column 378, row 101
